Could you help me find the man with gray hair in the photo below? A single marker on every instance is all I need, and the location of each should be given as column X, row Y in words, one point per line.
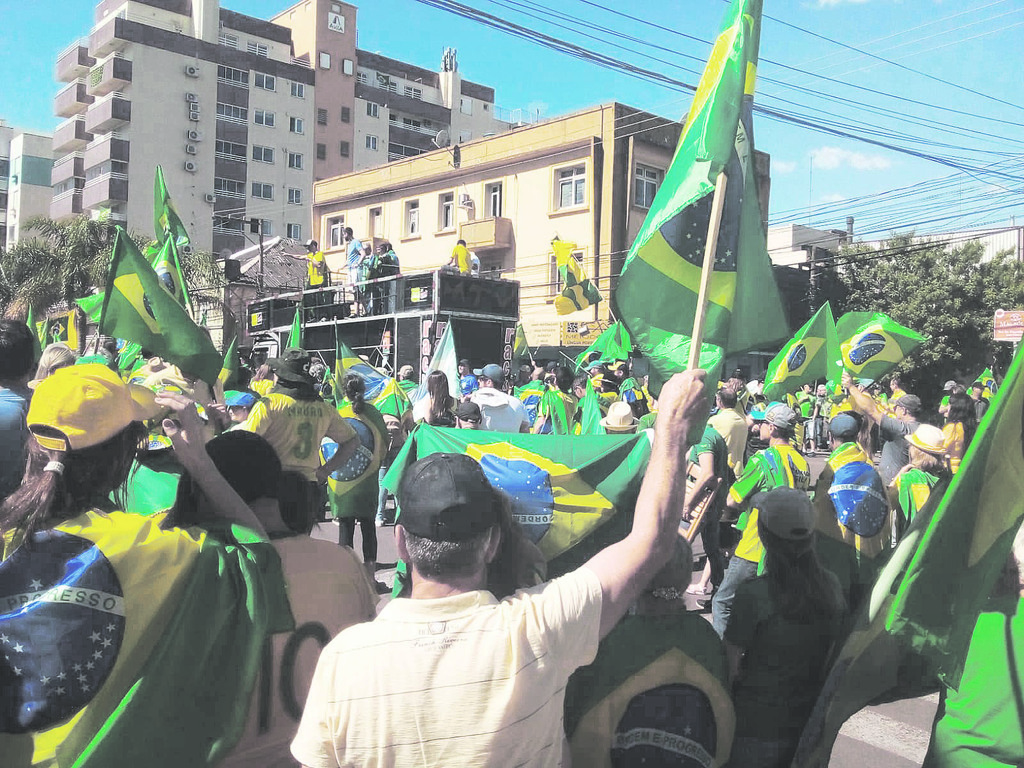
column 452, row 676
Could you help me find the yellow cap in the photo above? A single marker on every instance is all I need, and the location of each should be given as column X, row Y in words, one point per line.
column 85, row 405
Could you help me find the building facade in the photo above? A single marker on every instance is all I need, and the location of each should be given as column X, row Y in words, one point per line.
column 589, row 177
column 212, row 96
column 25, row 162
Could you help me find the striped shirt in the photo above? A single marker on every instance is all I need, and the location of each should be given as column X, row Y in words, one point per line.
column 455, row 681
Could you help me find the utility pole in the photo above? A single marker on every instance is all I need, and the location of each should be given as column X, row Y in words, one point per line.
column 256, row 226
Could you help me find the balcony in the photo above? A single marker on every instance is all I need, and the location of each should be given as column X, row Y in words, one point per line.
column 110, row 75
column 72, row 100
column 108, row 147
column 71, row 135
column 66, row 204
column 487, row 234
column 107, row 38
column 70, row 166
column 104, row 190
column 74, row 61
column 110, row 112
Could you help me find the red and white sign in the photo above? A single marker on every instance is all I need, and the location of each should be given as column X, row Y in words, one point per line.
column 1008, row 325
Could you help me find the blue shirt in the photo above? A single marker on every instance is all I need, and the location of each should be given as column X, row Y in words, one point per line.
column 355, row 253
column 13, row 436
column 468, row 384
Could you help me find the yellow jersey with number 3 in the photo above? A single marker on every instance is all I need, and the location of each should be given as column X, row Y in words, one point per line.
column 295, row 427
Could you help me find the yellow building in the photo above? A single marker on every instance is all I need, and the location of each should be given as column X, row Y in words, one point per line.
column 588, row 177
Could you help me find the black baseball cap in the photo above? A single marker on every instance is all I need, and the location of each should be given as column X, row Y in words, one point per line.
column 467, row 410
column 292, row 366
column 446, row 497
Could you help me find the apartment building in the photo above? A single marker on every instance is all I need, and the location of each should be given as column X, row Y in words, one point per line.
column 25, row 161
column 589, row 177
column 372, row 109
column 213, row 96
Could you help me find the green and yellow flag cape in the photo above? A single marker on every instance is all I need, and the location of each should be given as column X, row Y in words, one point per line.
column 578, row 292
column 811, row 355
column 352, row 489
column 656, row 297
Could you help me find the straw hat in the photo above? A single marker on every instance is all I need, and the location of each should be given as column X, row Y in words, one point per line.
column 620, row 418
column 929, row 439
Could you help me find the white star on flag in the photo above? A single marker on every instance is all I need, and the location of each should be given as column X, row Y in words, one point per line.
column 17, row 671
column 44, row 679
column 4, row 639
column 106, row 642
column 18, row 648
column 36, row 584
column 95, row 637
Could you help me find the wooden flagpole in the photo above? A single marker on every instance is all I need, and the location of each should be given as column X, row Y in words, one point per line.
column 717, row 205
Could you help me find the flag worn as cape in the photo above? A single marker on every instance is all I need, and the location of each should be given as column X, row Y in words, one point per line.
column 295, row 333
column 138, row 308
column 578, row 292
column 382, row 391
column 872, row 344
column 352, row 490
column 988, row 381
column 614, row 343
column 572, row 495
column 811, row 355
column 530, row 395
column 444, row 359
column 229, row 367
column 656, row 296
column 916, row 626
column 117, row 624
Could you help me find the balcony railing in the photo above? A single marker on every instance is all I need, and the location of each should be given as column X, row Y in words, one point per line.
column 74, row 61
column 112, row 111
column 71, row 135
column 72, row 100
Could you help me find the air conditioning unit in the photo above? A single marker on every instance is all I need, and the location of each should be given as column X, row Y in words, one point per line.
column 191, row 166
column 191, row 70
column 191, row 97
column 193, row 135
column 190, row 149
column 210, row 197
column 465, row 201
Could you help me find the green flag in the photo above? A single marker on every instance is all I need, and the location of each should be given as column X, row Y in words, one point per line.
column 922, row 610
column 521, row 348
column 578, row 292
column 590, row 413
column 128, row 355
column 164, row 259
column 92, row 306
column 810, row 355
column 138, row 308
column 656, row 296
column 295, row 334
column 872, row 344
column 229, row 367
column 382, row 391
column 614, row 343
column 572, row 495
column 988, row 381
column 166, row 222
column 30, row 321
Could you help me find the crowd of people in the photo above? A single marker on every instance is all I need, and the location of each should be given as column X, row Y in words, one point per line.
column 482, row 661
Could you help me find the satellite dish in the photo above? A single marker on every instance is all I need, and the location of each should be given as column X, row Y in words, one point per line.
column 443, row 139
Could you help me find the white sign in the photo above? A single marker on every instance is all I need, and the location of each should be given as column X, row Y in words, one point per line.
column 336, row 22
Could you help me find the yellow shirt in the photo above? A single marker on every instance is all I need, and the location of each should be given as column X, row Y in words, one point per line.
column 954, row 442
column 295, row 428
column 461, row 255
column 262, row 387
column 315, row 268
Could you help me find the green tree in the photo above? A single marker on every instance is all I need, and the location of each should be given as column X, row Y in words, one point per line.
column 947, row 294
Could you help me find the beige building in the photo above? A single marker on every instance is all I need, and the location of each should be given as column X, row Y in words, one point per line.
column 25, row 162
column 588, row 177
column 211, row 95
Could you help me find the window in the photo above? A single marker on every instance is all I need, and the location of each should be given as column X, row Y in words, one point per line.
column 325, row 60
column 264, row 81
column 299, row 90
column 231, row 113
column 229, row 149
column 232, row 76
column 466, row 105
column 371, row 142
column 372, row 110
column 411, row 124
column 345, row 150
column 376, row 217
column 262, row 154
column 293, row 231
column 347, row 66
column 321, row 116
column 446, row 211
column 492, row 199
column 231, row 41
column 571, row 187
column 346, row 115
column 266, row 227
column 413, row 93
column 263, row 191
column 229, row 187
column 646, row 183
column 295, row 124
column 335, row 231
column 294, row 196
column 226, row 224
column 412, row 218
column 263, row 117
column 295, row 160
column 258, row 48
column 321, row 151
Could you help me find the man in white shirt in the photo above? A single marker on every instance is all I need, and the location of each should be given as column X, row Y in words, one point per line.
column 501, row 412
column 452, row 676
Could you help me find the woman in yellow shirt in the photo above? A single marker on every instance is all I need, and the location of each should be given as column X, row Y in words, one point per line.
column 959, row 429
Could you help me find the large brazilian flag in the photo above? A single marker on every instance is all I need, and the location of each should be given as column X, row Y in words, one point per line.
column 352, row 489
column 917, row 624
column 656, row 296
column 812, row 354
column 573, row 495
column 872, row 344
column 125, row 644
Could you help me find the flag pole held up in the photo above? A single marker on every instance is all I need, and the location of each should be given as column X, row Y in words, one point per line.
column 717, row 206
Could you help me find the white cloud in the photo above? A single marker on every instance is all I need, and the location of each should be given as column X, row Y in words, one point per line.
column 783, row 166
column 831, row 158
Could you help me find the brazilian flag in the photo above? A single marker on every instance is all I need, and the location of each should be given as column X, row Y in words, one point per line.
column 591, row 413
column 229, row 367
column 811, row 355
column 918, row 621
column 530, row 395
column 352, row 489
column 166, row 221
column 988, row 381
column 578, row 292
column 164, row 259
column 614, row 343
column 119, row 628
column 37, row 339
column 129, row 354
column 656, row 296
column 92, row 306
column 138, row 308
column 521, row 347
column 871, row 344
column 572, row 495
column 382, row 391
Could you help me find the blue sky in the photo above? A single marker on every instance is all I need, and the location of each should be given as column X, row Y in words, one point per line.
column 817, row 177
